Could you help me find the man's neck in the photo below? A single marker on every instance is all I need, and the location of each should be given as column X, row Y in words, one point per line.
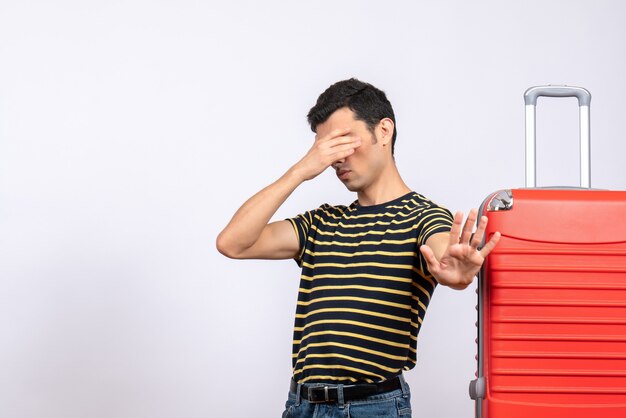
column 388, row 186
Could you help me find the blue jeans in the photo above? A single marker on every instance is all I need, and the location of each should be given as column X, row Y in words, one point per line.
column 396, row 403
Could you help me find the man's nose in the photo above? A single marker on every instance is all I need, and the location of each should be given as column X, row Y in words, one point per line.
column 337, row 163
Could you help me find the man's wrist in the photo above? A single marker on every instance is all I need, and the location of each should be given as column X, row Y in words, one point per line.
column 295, row 175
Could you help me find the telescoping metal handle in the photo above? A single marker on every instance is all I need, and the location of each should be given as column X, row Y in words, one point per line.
column 584, row 99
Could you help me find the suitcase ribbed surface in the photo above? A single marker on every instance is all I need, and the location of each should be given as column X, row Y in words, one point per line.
column 554, row 306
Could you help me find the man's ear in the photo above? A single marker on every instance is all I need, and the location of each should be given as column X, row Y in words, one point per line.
column 385, row 130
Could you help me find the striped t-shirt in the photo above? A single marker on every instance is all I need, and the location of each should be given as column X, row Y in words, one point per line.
column 364, row 288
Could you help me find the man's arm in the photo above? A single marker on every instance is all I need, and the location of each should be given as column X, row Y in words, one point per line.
column 453, row 258
column 249, row 233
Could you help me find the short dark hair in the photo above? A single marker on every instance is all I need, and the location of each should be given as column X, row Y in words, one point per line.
column 368, row 103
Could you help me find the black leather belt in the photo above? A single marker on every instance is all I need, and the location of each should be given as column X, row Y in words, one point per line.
column 328, row 393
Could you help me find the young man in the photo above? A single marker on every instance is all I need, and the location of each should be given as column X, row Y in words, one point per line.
column 368, row 269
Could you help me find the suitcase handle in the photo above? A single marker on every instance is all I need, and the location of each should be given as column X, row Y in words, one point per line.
column 584, row 99
column 532, row 94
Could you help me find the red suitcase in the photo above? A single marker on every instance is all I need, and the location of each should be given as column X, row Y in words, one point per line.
column 552, row 294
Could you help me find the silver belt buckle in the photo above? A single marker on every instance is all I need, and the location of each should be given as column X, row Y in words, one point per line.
column 326, row 397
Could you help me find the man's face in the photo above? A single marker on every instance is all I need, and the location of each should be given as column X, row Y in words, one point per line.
column 359, row 170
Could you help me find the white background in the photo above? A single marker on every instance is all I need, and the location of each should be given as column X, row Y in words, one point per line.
column 130, row 131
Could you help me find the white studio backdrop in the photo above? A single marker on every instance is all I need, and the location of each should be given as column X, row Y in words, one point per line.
column 130, row 131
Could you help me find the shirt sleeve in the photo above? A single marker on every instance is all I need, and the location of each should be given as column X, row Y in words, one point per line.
column 301, row 226
column 434, row 220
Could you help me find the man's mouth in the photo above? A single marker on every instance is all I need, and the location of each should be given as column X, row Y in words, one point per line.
column 343, row 174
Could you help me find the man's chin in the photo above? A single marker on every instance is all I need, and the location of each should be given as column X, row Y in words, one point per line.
column 352, row 187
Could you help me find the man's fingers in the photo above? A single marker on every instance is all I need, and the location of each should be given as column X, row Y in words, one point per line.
column 353, row 141
column 480, row 232
column 429, row 256
column 329, row 151
column 338, row 145
column 455, row 231
column 469, row 226
column 333, row 134
column 490, row 245
column 341, row 151
column 340, row 155
column 343, row 140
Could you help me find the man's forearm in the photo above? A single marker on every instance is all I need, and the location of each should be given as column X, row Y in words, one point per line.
column 246, row 226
